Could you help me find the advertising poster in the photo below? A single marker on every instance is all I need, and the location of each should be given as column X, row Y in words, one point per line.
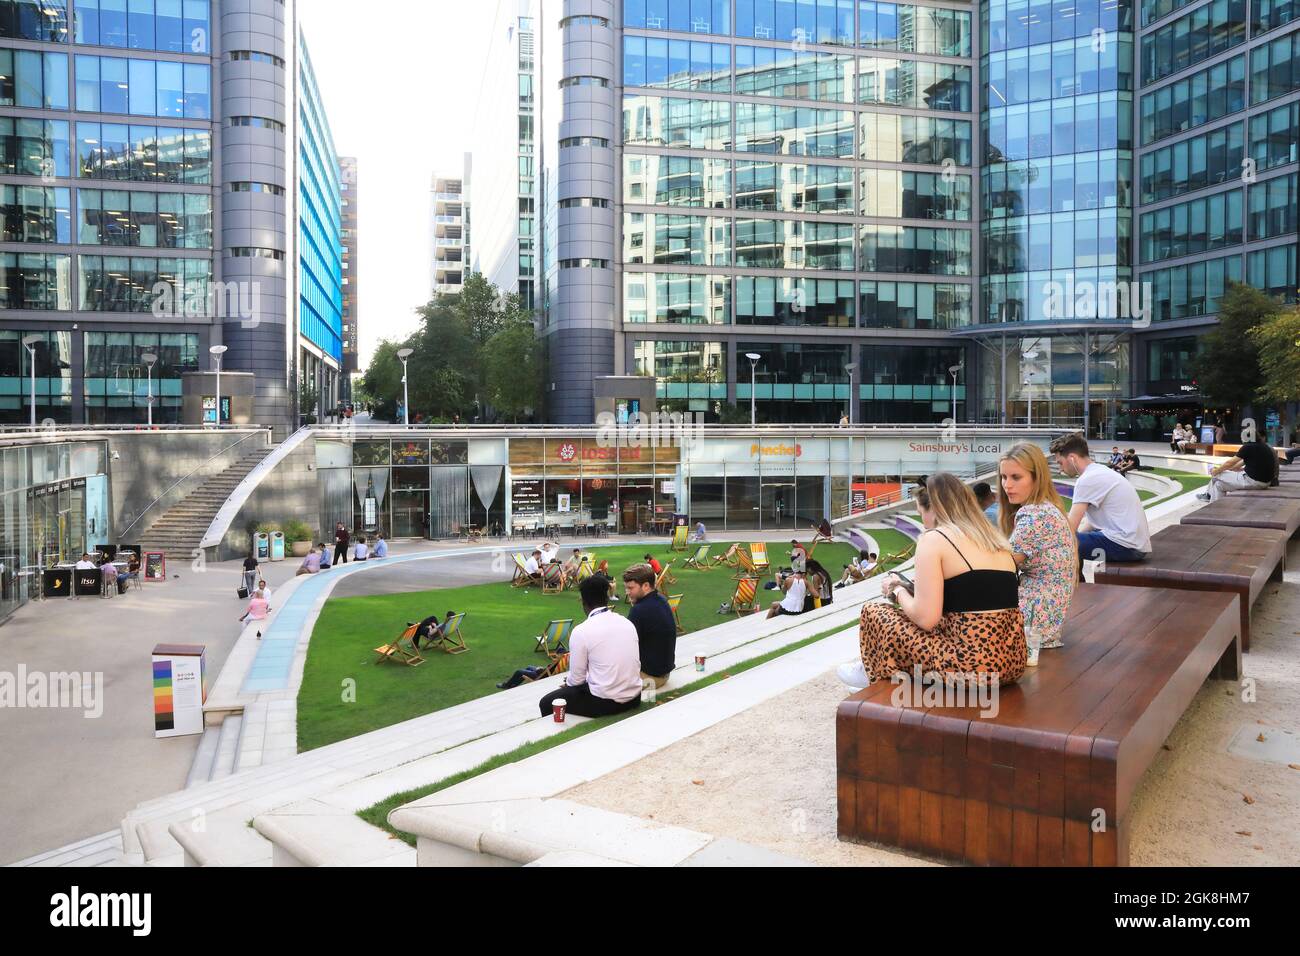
column 179, row 689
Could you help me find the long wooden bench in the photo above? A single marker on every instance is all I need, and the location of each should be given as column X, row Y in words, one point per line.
column 1240, row 511
column 1289, row 475
column 1047, row 780
column 1208, row 558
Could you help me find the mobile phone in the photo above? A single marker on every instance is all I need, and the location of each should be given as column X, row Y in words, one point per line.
column 906, row 582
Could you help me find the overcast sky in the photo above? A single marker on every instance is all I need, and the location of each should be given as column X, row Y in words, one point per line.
column 400, row 82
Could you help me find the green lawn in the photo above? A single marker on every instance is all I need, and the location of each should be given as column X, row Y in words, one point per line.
column 498, row 629
column 1187, row 480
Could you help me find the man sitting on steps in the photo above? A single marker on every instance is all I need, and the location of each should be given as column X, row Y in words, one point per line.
column 1118, row 524
column 604, row 659
column 1253, row 467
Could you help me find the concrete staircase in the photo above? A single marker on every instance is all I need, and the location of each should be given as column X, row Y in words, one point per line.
column 181, row 528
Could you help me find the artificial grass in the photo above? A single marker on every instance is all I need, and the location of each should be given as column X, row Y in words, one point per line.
column 377, row 814
column 499, row 629
column 1187, row 480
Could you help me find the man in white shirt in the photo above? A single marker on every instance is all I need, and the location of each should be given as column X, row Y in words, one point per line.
column 604, row 659
column 85, row 564
column 796, row 591
column 533, row 566
column 361, row 551
column 1117, row 522
column 550, row 552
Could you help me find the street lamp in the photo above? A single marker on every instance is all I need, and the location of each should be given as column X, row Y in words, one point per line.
column 1029, row 381
column 953, row 370
column 217, row 351
column 405, row 354
column 753, row 378
column 853, row 398
column 149, row 359
column 29, row 342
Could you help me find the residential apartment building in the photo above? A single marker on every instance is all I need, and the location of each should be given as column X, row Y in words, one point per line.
column 153, row 164
column 351, row 361
column 450, row 231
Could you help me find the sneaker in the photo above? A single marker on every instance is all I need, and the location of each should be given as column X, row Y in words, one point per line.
column 1203, row 496
column 854, row 674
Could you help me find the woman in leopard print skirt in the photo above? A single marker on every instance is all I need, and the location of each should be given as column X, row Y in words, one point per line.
column 963, row 621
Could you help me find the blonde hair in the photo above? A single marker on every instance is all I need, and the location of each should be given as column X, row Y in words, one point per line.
column 1031, row 458
column 954, row 504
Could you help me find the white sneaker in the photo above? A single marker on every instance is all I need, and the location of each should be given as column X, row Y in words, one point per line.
column 855, row 675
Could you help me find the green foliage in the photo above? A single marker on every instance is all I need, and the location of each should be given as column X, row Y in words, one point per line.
column 268, row 527
column 1278, row 341
column 296, row 531
column 513, row 367
column 1227, row 368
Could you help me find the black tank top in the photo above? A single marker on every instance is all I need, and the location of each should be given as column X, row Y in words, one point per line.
column 984, row 590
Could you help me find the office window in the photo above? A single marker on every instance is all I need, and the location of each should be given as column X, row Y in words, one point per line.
column 1275, row 137
column 143, row 87
column 44, row 20
column 35, row 214
column 33, row 79
column 34, row 147
column 34, row 281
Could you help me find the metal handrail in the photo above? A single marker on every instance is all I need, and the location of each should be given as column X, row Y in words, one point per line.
column 145, row 510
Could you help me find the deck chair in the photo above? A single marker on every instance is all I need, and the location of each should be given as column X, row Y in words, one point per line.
column 699, row 560
column 674, row 602
column 450, row 639
column 554, row 640
column 521, row 578
column 746, row 568
column 665, row 577
column 729, row 559
column 585, row 570
column 745, row 597
column 394, row 651
column 552, row 579
column 559, row 665
column 904, row 555
column 758, row 554
column 680, row 534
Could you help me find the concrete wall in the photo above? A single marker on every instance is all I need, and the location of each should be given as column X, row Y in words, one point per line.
column 290, row 492
column 149, row 463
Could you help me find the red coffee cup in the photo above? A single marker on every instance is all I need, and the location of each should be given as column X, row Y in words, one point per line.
column 557, row 709
column 699, row 662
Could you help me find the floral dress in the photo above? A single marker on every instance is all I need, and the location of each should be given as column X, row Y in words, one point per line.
column 1048, row 575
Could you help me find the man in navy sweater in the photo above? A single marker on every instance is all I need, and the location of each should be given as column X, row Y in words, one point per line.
column 656, row 628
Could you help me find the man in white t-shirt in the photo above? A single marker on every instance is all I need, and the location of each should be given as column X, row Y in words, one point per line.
column 85, row 564
column 532, row 566
column 796, row 591
column 1117, row 522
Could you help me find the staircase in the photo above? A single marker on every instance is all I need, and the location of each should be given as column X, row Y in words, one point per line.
column 181, row 528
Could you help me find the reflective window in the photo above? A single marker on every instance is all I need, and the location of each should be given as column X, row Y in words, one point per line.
column 1193, row 163
column 1071, row 67
column 677, row 122
column 691, row 369
column 1275, row 68
column 915, row 249
column 34, row 79
column 793, row 131
column 666, row 239
column 792, row 187
column 34, row 147
column 1181, row 292
column 811, row 21
column 1153, row 10
column 1058, row 127
column 171, row 26
column 912, row 29
column 676, row 180
column 1193, row 37
column 1172, row 361
column 1201, row 225
column 794, row 244
column 128, row 284
column 915, row 139
column 935, row 86
column 794, row 74
column 1275, row 137
column 1273, row 207
column 118, row 384
column 915, row 305
column 657, row 297
column 1271, row 14
column 906, row 195
column 1009, row 24
column 143, row 153
column 35, row 281
column 687, row 16
column 112, row 217
column 765, row 300
column 143, row 87
column 1029, row 296
column 35, row 214
column 1057, row 241
column 676, row 64
column 45, row 20
column 1204, row 96
column 1274, row 271
column 1100, row 180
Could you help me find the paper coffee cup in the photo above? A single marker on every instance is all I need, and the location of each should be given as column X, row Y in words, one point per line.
column 557, row 709
column 699, row 662
column 1090, row 569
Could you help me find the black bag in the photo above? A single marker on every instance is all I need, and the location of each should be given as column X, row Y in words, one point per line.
column 243, row 593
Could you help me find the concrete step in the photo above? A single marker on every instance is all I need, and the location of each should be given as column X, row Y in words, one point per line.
column 201, row 768
column 312, row 833
column 227, row 750
column 221, row 839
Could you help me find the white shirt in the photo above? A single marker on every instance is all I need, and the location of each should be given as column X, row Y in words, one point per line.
column 86, row 565
column 266, row 591
column 1114, row 507
column 605, row 654
column 361, row 551
column 530, row 565
column 867, row 565
column 549, row 555
column 794, row 598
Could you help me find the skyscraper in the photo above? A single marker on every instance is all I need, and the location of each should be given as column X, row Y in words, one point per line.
column 450, row 231
column 351, row 273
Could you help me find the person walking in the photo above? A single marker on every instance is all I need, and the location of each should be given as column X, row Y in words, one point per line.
column 250, row 572
column 341, row 541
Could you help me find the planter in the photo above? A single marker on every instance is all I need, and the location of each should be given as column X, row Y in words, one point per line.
column 300, row 549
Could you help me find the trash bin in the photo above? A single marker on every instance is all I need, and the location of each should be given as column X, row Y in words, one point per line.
column 262, row 546
column 277, row 545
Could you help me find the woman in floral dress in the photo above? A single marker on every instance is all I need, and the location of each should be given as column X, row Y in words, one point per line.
column 1033, row 517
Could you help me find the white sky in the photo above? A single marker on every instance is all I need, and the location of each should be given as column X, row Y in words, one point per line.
column 400, row 81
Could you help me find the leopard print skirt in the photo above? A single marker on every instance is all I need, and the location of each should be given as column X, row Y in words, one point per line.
column 987, row 644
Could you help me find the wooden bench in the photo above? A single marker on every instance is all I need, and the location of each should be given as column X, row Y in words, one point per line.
column 1288, row 491
column 1197, row 448
column 1208, row 558
column 1239, row 511
column 1289, row 475
column 1048, row 780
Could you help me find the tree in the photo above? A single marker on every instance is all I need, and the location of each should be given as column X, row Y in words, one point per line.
column 512, row 358
column 1227, row 368
column 383, row 379
column 1277, row 339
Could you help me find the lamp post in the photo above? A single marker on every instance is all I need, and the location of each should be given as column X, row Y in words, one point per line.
column 217, row 351
column 753, row 378
column 853, row 398
column 29, row 342
column 149, row 359
column 405, row 354
column 953, row 370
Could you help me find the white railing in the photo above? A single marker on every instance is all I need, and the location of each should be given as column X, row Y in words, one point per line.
column 227, row 513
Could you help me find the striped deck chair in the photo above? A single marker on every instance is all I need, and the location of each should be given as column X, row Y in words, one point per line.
column 674, row 602
column 559, row 664
column 745, row 598
column 552, row 579
column 554, row 639
column 729, row 559
column 699, row 560
column 665, row 577
column 758, row 554
column 450, row 639
column 521, row 578
column 679, row 542
column 394, row 651
column 586, row 568
column 746, row 566
column 904, row 555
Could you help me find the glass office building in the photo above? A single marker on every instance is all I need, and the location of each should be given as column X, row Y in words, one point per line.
column 144, row 205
